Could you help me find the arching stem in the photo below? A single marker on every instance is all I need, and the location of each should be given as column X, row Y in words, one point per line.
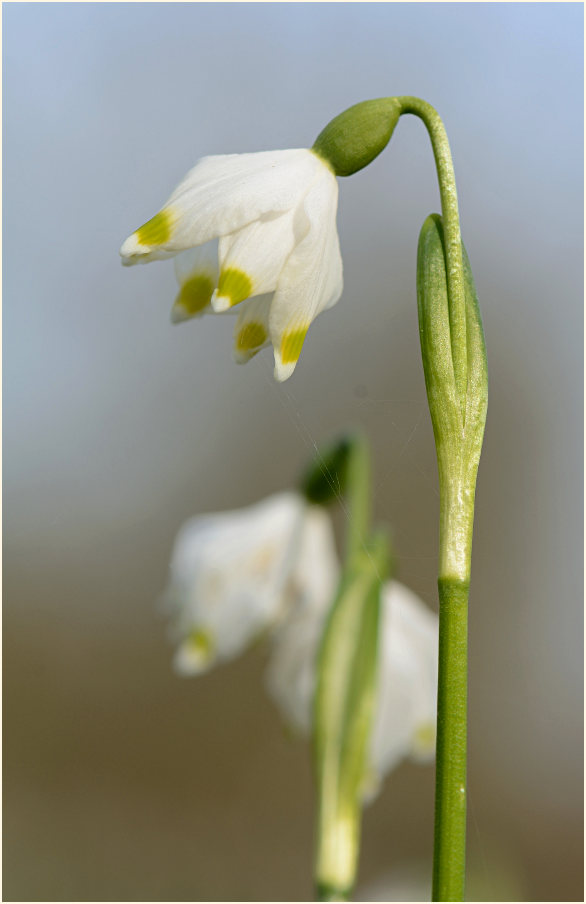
column 451, row 222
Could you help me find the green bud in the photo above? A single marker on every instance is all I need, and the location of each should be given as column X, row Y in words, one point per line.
column 354, row 138
column 343, row 712
column 458, row 440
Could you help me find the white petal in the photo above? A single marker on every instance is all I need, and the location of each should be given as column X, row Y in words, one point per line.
column 407, row 683
column 197, row 274
column 222, row 194
column 228, row 574
column 251, row 259
column 290, row 677
column 316, row 571
column 251, row 332
column 311, row 279
column 334, row 270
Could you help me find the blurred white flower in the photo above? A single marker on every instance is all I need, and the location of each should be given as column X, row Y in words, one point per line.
column 274, row 214
column 405, row 708
column 272, row 569
column 236, row 575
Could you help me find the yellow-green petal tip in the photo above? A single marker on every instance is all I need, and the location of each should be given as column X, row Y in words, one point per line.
column 234, row 285
column 193, row 298
column 157, row 231
column 292, row 343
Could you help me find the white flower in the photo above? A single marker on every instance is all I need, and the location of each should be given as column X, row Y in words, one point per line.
column 405, row 708
column 274, row 214
column 235, row 575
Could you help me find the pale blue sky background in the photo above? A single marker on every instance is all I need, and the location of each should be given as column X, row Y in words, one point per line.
column 123, row 782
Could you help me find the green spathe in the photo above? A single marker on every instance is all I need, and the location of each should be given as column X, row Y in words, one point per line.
column 354, row 138
column 458, row 435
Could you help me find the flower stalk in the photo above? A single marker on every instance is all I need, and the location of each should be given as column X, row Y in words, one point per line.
column 454, row 362
column 347, row 668
column 458, row 436
column 453, row 240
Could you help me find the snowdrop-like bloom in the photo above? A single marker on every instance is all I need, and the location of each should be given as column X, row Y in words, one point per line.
column 236, row 575
column 278, row 256
column 405, row 708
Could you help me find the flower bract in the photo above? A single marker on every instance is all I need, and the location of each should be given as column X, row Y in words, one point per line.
column 256, row 232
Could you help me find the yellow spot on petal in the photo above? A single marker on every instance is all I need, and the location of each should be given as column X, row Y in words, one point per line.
column 157, row 231
column 201, row 644
column 196, row 293
column 251, row 336
column 424, row 738
column 234, row 284
column 292, row 343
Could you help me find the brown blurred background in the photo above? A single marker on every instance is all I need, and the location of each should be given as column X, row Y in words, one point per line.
column 121, row 781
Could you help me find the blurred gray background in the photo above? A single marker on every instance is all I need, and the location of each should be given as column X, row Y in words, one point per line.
column 123, row 782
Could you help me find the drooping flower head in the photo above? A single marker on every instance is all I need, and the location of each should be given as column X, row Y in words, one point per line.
column 274, row 214
column 278, row 255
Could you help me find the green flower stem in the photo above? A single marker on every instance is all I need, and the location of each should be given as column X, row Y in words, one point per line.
column 456, row 519
column 447, row 300
column 453, row 240
column 449, row 863
column 458, row 445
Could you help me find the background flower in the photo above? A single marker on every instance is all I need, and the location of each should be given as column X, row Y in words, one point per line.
column 235, row 575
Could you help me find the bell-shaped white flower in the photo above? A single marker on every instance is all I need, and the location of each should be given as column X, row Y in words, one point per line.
column 235, row 575
column 405, row 708
column 274, row 213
